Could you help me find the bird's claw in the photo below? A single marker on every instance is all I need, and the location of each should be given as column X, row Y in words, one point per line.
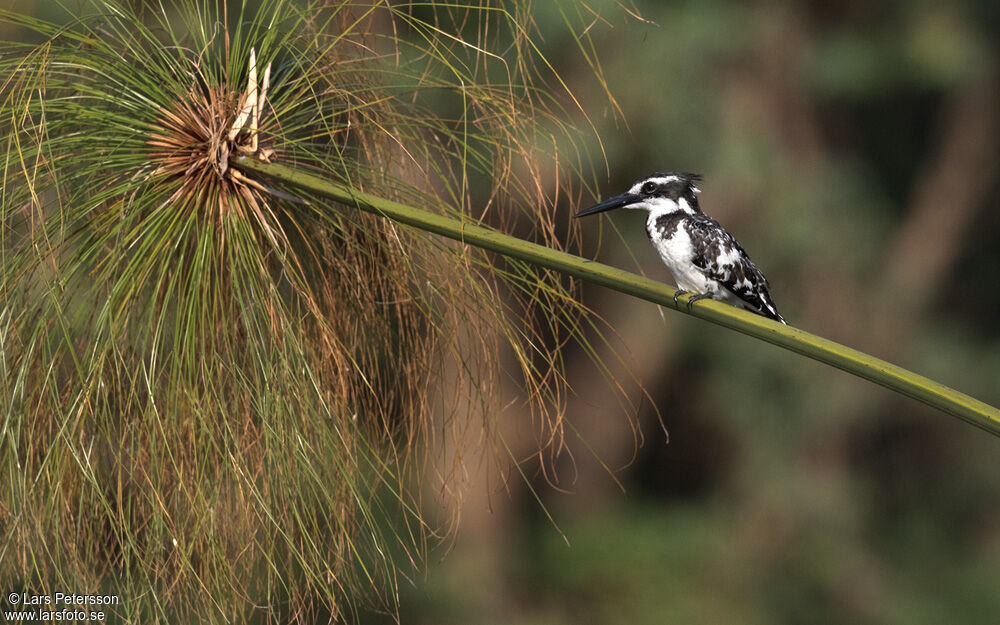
column 677, row 294
column 695, row 298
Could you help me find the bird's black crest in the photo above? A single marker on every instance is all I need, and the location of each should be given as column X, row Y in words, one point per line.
column 685, row 176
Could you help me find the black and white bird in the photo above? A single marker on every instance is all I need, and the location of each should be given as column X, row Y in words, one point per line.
column 704, row 258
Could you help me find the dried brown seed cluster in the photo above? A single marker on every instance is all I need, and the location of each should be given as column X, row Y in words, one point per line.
column 197, row 135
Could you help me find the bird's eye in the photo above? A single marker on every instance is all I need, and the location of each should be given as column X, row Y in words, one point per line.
column 649, row 187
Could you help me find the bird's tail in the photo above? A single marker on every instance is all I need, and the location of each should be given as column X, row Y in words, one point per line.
column 773, row 314
column 768, row 310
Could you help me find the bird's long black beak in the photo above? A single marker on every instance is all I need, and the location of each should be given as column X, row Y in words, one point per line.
column 617, row 201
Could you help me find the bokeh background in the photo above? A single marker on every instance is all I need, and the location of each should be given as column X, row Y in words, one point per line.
column 852, row 147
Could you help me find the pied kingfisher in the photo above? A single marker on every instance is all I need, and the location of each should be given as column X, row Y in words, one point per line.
column 702, row 256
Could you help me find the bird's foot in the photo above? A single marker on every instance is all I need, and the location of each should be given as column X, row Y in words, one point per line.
column 695, row 298
column 677, row 294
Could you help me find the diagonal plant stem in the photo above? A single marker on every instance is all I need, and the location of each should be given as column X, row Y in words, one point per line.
column 845, row 358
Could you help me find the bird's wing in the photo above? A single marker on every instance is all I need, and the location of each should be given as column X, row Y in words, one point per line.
column 724, row 260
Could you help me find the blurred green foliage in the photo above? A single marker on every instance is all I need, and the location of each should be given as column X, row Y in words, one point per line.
column 829, row 134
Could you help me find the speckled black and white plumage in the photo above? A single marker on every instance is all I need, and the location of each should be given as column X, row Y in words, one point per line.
column 703, row 257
